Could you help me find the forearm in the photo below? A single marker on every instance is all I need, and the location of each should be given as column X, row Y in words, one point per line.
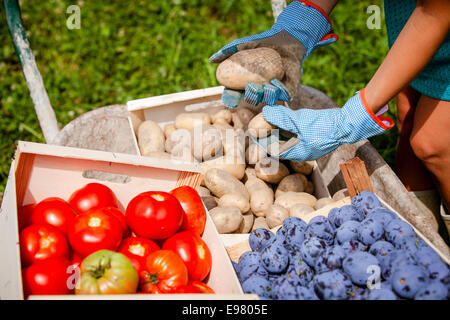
column 325, row 5
column 415, row 46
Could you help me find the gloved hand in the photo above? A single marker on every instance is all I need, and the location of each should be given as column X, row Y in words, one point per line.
column 322, row 131
column 299, row 29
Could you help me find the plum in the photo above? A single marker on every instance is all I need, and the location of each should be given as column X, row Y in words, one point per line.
column 259, row 238
column 330, row 259
column 365, row 201
column 311, row 249
column 434, row 290
column 346, row 213
column 275, row 257
column 382, row 215
column 408, row 280
column 362, row 267
column 302, row 269
column 398, row 232
column 346, row 232
column 353, row 246
column 426, row 256
column 332, row 285
column 257, row 285
column 370, row 231
column 321, row 228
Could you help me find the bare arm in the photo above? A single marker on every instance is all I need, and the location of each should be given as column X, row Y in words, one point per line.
column 326, row 5
column 416, row 44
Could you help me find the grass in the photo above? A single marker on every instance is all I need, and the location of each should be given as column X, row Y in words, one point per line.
column 134, row 49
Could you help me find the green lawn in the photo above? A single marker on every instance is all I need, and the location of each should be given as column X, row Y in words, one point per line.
column 134, row 49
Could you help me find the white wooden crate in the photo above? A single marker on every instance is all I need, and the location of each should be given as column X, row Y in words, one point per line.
column 40, row 171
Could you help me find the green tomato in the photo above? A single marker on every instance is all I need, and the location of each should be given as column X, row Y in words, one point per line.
column 107, row 272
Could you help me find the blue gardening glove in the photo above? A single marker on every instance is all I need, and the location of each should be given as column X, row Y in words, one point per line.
column 322, row 131
column 299, row 29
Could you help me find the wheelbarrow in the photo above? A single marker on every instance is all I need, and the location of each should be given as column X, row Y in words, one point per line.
column 107, row 129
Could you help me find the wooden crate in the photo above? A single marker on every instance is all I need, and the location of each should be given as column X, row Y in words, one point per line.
column 40, row 171
column 163, row 110
column 236, row 246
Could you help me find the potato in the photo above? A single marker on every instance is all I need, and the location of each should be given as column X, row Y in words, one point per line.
column 322, row 202
column 234, row 144
column 234, row 200
column 341, row 194
column 299, row 210
column 206, row 142
column 259, row 128
column 259, row 65
column 178, row 141
column 254, row 153
column 220, row 182
column 169, row 129
column 249, row 174
column 210, row 202
column 226, row 219
column 294, row 182
column 276, row 215
column 203, row 192
column 150, row 137
column 289, row 198
column 309, row 188
column 260, row 222
column 245, row 115
column 222, row 115
column 261, row 196
column 237, row 122
column 191, row 120
column 305, row 167
column 226, row 163
column 246, row 224
column 271, row 170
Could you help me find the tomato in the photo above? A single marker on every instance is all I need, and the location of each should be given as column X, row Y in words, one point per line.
column 40, row 242
column 93, row 231
column 165, row 272
column 119, row 215
column 194, row 213
column 47, row 277
column 193, row 251
column 75, row 259
column 137, row 249
column 24, row 215
column 195, row 287
column 92, row 196
column 107, row 272
column 54, row 211
column 154, row 215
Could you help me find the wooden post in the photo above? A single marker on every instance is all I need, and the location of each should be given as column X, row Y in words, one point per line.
column 355, row 176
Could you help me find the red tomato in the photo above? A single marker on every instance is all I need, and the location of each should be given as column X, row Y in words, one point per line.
column 194, row 213
column 45, row 277
column 92, row 196
column 154, row 215
column 54, row 211
column 137, row 249
column 165, row 272
column 195, row 287
column 24, row 215
column 193, row 251
column 119, row 215
column 75, row 260
column 40, row 242
column 93, row 231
